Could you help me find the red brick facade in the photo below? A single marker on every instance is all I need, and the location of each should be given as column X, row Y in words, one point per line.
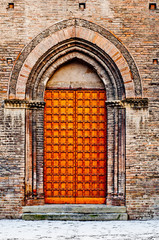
column 119, row 39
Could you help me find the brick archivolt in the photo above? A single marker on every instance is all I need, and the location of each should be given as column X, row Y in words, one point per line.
column 41, row 74
column 89, row 42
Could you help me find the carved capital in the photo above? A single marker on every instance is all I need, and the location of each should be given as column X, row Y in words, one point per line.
column 16, row 103
column 129, row 102
column 114, row 103
column 135, row 102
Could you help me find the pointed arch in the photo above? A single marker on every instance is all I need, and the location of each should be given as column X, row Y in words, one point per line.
column 87, row 37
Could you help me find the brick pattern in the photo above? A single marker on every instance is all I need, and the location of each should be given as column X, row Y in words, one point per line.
column 137, row 28
column 12, row 163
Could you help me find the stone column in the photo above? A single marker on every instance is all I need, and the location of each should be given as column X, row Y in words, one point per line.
column 115, row 153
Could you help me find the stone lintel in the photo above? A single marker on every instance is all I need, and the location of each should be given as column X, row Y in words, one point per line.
column 24, row 104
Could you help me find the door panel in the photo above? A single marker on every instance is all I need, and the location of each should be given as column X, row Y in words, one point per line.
column 59, row 164
column 75, row 146
column 90, row 164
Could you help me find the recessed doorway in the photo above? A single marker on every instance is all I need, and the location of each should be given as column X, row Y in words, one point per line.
column 75, row 136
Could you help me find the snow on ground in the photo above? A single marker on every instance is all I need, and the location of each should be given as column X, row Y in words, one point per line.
column 61, row 230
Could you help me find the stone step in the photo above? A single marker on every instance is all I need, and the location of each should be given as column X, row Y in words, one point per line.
column 76, row 212
column 75, row 216
column 74, row 208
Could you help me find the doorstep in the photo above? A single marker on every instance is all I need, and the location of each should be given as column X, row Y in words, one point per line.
column 75, row 212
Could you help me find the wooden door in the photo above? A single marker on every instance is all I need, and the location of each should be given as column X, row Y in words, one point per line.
column 75, row 146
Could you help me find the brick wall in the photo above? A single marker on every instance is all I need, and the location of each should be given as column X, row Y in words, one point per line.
column 137, row 27
column 12, row 163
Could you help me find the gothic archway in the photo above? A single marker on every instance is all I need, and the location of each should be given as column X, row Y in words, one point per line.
column 61, row 43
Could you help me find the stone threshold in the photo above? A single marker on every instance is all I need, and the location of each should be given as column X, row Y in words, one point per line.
column 75, row 212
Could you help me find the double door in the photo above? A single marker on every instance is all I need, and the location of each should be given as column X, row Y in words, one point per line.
column 75, row 146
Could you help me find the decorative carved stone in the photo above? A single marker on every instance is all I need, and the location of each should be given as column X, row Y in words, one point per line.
column 16, row 103
column 114, row 103
column 135, row 102
column 129, row 102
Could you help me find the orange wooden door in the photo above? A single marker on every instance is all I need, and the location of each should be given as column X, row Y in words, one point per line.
column 75, row 146
column 90, row 146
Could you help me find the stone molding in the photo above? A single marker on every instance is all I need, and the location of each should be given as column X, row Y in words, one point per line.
column 16, row 103
column 36, row 84
column 129, row 102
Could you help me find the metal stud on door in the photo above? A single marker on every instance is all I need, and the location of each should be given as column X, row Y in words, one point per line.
column 75, row 146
